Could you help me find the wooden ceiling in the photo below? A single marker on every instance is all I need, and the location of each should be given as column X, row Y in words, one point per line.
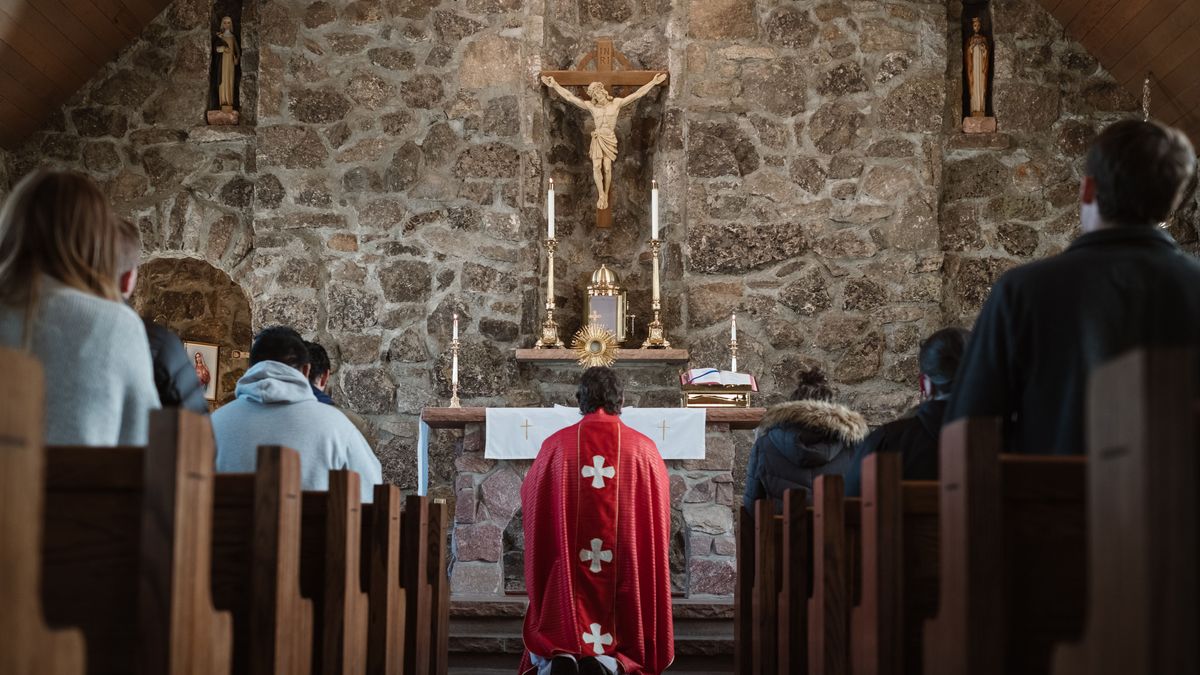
column 1133, row 38
column 51, row 48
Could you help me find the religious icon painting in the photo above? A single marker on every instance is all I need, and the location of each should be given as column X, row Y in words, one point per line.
column 204, row 357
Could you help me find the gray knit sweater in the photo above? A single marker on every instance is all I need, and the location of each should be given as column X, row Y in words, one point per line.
column 96, row 358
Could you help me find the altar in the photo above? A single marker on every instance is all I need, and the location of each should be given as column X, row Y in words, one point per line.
column 487, row 543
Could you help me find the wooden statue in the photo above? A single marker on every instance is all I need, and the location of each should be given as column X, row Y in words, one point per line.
column 977, row 53
column 230, row 56
column 604, row 109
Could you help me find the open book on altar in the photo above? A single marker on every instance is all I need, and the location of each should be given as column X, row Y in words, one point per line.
column 699, row 377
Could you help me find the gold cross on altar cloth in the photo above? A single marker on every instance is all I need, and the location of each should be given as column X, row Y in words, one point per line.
column 594, row 317
column 526, row 427
column 664, row 428
column 601, row 59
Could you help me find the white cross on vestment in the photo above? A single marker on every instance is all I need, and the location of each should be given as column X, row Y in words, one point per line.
column 598, row 641
column 596, row 555
column 598, row 472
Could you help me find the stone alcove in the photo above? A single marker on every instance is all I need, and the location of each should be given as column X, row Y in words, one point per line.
column 198, row 302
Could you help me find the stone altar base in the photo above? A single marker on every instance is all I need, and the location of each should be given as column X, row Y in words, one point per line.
column 487, row 546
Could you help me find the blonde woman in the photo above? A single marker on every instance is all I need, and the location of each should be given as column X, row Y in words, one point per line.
column 60, row 299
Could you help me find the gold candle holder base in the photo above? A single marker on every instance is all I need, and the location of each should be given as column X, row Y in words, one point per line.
column 733, row 356
column 549, row 339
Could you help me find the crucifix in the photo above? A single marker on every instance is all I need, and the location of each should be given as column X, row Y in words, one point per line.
column 526, row 427
column 604, row 107
column 664, row 428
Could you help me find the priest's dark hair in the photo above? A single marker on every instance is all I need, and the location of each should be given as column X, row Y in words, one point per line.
column 812, row 385
column 318, row 358
column 1141, row 170
column 939, row 358
column 600, row 389
column 282, row 344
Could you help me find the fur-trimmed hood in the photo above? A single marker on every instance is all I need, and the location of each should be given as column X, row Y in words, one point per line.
column 836, row 419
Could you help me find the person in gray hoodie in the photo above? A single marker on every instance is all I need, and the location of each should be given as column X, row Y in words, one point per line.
column 275, row 406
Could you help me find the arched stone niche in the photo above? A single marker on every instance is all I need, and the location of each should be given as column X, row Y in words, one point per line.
column 198, row 302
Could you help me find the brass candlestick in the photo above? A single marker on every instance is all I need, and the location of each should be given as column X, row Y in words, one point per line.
column 656, row 338
column 549, row 339
column 733, row 355
column 454, row 402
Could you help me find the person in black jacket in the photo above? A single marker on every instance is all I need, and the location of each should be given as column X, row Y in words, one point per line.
column 1122, row 285
column 800, row 440
column 174, row 374
column 915, row 436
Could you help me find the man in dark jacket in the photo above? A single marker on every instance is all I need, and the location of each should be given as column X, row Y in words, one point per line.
column 1123, row 284
column 800, row 440
column 915, row 436
column 174, row 374
column 318, row 376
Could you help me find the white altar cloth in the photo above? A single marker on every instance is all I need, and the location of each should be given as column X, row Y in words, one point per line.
column 518, row 433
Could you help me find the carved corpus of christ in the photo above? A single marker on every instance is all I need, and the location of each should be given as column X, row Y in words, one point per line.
column 605, row 110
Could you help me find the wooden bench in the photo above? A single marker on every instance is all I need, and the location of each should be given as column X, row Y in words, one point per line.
column 1143, row 472
column 898, row 586
column 126, row 551
column 330, row 574
column 28, row 646
column 1013, row 558
column 256, row 565
column 381, row 539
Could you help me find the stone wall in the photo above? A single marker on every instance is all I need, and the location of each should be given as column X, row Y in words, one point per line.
column 200, row 303
column 392, row 165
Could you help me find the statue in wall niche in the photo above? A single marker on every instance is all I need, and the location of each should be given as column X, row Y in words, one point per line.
column 605, row 109
column 977, row 53
column 227, row 57
column 977, row 68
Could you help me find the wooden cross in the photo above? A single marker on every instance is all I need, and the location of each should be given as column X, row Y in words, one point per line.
column 601, row 62
column 664, row 428
column 526, row 427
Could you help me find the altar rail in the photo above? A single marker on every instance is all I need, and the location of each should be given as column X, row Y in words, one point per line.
column 457, row 418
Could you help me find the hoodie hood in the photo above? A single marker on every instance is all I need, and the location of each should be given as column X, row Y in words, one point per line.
column 833, row 419
column 274, row 382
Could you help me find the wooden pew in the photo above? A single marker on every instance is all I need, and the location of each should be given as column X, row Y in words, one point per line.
column 1012, row 555
column 256, row 565
column 439, row 586
column 28, row 646
column 1143, row 472
column 381, row 572
column 415, row 574
column 898, row 587
column 743, row 611
column 794, row 581
column 126, row 551
column 330, row 569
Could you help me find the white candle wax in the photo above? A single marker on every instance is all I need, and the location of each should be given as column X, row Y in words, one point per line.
column 733, row 328
column 550, row 211
column 654, row 209
column 455, row 326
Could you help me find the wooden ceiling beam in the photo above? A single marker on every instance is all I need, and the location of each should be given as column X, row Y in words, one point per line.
column 105, row 39
column 1091, row 16
column 1116, row 18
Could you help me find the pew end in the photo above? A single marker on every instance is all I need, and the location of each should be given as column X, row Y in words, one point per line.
column 29, row 645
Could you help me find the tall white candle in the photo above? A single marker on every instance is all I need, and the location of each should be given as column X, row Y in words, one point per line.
column 654, row 209
column 733, row 328
column 550, row 211
column 454, row 356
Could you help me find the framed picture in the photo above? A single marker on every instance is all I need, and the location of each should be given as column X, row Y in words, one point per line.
column 204, row 357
